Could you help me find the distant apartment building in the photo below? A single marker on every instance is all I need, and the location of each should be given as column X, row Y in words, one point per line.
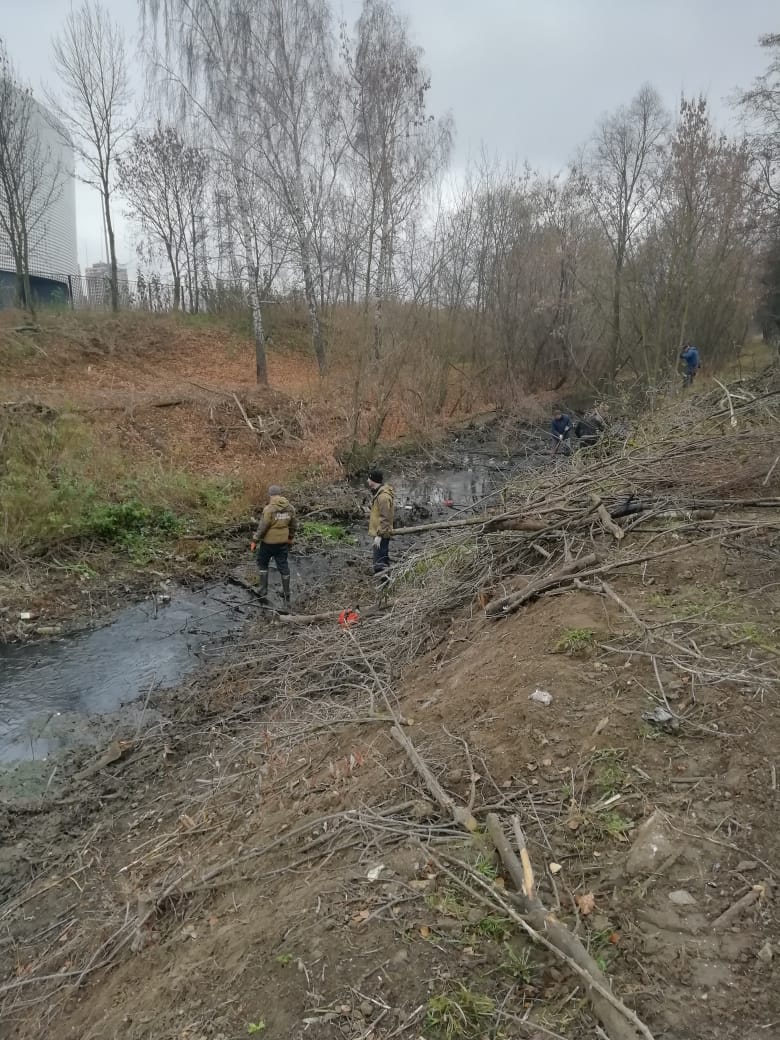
column 52, row 250
column 97, row 279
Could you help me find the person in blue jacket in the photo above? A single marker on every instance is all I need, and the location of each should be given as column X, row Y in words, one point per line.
column 560, row 428
column 690, row 356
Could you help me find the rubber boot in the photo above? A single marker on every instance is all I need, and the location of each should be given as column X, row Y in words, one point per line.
column 286, row 592
column 262, row 588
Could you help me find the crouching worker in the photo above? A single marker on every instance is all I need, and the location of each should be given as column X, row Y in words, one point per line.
column 589, row 429
column 273, row 538
column 560, row 430
column 380, row 523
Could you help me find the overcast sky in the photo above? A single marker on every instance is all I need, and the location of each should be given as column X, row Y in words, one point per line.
column 526, row 79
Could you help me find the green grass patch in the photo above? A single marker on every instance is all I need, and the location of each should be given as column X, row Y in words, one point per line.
column 519, row 963
column 60, row 480
column 459, row 1012
column 325, row 532
column 576, row 642
column 494, row 927
column 448, row 901
column 610, row 773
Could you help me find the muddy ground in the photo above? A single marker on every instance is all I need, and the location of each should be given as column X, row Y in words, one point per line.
column 270, row 863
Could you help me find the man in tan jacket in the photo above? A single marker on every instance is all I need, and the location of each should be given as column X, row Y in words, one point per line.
column 380, row 523
column 273, row 538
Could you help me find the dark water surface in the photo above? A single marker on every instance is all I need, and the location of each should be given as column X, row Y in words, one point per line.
column 49, row 690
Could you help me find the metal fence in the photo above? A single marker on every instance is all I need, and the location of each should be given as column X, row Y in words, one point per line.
column 142, row 293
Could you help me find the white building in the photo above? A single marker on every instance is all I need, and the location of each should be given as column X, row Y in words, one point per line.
column 53, row 248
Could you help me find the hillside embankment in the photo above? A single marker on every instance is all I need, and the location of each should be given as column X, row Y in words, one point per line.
column 132, row 444
column 533, row 796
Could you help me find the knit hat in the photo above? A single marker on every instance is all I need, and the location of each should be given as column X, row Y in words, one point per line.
column 376, row 476
column 274, row 489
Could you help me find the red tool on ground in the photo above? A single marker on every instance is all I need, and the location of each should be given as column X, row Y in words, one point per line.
column 348, row 617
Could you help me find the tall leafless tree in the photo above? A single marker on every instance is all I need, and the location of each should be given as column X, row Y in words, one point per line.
column 31, row 177
column 760, row 105
column 396, row 147
column 260, row 74
column 164, row 181
column 617, row 172
column 90, row 58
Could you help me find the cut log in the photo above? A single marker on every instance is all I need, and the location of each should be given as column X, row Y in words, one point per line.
column 606, row 520
column 518, row 524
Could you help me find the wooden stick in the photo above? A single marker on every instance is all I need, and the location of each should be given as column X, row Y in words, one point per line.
column 606, row 520
column 440, row 525
column 757, row 892
column 460, row 815
column 529, row 881
column 245, row 417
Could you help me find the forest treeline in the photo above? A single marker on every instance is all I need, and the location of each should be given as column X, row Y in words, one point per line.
column 284, row 154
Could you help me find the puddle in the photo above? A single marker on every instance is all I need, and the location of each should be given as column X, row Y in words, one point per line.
column 147, row 646
column 63, row 693
column 479, row 478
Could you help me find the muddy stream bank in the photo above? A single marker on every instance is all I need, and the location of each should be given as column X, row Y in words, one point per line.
column 92, row 687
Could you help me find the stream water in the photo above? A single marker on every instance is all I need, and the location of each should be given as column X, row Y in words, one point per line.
column 66, row 692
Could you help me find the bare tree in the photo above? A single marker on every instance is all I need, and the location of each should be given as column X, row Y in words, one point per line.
column 90, row 58
column 164, row 180
column 294, row 92
column 31, row 177
column 617, row 177
column 396, row 147
column 760, row 105
column 207, row 61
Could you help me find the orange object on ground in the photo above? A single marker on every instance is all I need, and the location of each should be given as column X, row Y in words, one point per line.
column 348, row 617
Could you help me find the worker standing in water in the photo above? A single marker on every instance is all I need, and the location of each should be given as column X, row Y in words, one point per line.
column 273, row 539
column 380, row 523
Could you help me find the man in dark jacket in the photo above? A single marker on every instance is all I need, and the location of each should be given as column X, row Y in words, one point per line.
column 690, row 356
column 380, row 522
column 273, row 538
column 560, row 428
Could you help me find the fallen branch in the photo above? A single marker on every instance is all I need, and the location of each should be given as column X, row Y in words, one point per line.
column 325, row 615
column 606, row 520
column 460, row 815
column 258, row 433
column 511, row 603
column 529, row 524
column 757, row 892
column 440, row 525
column 543, row 926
